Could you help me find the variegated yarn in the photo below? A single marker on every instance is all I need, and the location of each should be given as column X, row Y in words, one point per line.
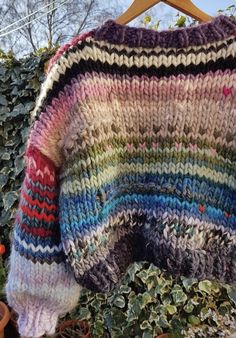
column 131, row 156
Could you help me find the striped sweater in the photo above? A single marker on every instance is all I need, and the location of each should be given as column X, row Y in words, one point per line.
column 131, row 156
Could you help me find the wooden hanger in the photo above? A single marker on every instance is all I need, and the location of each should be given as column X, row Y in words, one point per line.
column 140, row 6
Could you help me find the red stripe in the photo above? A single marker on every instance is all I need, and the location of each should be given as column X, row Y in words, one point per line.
column 35, row 231
column 32, row 213
column 42, row 205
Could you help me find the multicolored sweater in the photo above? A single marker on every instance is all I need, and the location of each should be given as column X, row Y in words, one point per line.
column 131, row 156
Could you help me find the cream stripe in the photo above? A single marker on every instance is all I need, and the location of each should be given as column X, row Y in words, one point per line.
column 94, row 53
column 47, row 248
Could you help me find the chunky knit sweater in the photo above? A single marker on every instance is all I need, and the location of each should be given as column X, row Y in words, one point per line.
column 131, row 156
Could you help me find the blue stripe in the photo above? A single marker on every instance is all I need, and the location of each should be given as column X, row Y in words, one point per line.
column 83, row 225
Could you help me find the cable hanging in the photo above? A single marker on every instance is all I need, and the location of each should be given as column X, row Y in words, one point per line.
column 22, row 19
column 15, row 29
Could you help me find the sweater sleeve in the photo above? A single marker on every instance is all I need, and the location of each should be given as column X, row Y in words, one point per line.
column 40, row 285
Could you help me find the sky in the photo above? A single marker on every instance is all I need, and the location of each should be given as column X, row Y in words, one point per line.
column 166, row 13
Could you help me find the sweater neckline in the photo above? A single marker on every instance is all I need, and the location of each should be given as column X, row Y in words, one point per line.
column 220, row 27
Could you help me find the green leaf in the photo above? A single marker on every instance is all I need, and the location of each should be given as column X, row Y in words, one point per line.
column 194, row 320
column 157, row 331
column 125, row 289
column 3, row 180
column 9, row 199
column 147, row 19
column 6, row 156
column 3, row 100
column 179, row 296
column 188, row 283
column 162, row 321
column 24, row 133
column 205, row 286
column 171, row 309
column 230, row 7
column 215, row 288
column 119, row 301
column 134, row 310
column 84, row 313
column 189, row 307
column 181, row 21
column 195, row 300
column 145, row 325
column 147, row 335
column 98, row 328
column 146, row 298
column 18, row 110
column 156, row 26
column 205, row 312
column 19, row 164
column 143, row 275
column 133, row 270
column 232, row 295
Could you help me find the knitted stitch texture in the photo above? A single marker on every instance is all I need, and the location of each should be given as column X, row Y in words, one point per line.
column 132, row 156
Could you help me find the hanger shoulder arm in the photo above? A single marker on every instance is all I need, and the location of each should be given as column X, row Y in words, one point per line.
column 135, row 9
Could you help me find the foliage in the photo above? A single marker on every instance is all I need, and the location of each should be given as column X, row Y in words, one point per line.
column 20, row 82
column 150, row 301
column 182, row 20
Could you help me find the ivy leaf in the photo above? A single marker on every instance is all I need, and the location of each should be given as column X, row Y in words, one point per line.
column 9, row 199
column 162, row 321
column 189, row 307
column 98, row 328
column 145, row 325
column 133, row 270
column 19, row 164
column 143, row 275
column 171, row 309
column 119, row 301
column 205, row 286
column 84, row 313
column 6, row 156
column 147, row 335
column 134, row 309
column 146, row 298
column 125, row 289
column 188, row 283
column 178, row 295
column 3, row 180
column 194, row 320
column 232, row 295
column 3, row 100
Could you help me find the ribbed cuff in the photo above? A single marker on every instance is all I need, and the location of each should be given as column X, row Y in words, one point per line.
column 36, row 321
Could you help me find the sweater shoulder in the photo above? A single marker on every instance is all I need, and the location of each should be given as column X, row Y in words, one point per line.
column 66, row 48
